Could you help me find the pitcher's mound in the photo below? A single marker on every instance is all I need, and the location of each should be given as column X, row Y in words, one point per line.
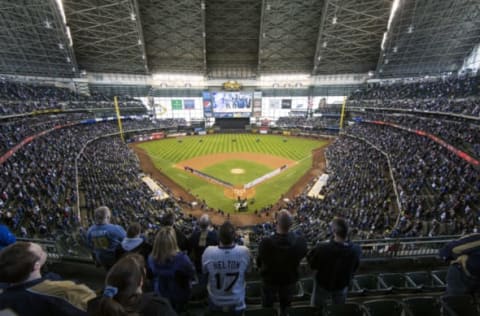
column 237, row 171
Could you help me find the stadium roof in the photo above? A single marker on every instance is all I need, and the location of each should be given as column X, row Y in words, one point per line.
column 236, row 38
column 430, row 36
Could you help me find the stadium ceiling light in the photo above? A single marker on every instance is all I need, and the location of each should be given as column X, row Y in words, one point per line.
column 395, row 49
column 60, row 45
column 324, row 44
column 393, row 11
column 62, row 11
column 334, row 20
column 69, row 35
column 132, row 16
column 395, row 5
column 48, row 24
column 410, row 29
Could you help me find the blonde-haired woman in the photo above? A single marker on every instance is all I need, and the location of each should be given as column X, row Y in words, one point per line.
column 172, row 269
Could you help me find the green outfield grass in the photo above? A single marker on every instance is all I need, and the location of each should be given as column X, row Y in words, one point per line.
column 166, row 153
column 221, row 171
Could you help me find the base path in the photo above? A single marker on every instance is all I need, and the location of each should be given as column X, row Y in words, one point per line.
column 239, row 219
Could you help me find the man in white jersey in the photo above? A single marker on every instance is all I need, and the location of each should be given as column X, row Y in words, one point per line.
column 226, row 265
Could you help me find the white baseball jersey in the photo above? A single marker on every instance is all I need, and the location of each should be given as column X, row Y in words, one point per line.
column 226, row 269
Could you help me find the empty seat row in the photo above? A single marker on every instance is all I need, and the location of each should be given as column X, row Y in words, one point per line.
column 412, row 306
column 366, row 284
column 411, row 281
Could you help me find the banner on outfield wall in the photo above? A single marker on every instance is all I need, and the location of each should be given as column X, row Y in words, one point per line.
column 257, row 103
column 189, row 104
column 147, row 137
column 207, row 104
column 176, row 135
column 274, row 104
column 286, row 103
column 176, row 104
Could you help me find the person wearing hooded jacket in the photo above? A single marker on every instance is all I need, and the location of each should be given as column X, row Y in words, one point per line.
column 134, row 243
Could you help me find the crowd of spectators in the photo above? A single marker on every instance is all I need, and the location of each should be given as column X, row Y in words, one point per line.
column 463, row 134
column 38, row 182
column 438, row 191
column 110, row 175
column 448, row 95
column 448, row 87
column 316, row 123
column 18, row 98
column 468, row 107
column 13, row 131
column 359, row 189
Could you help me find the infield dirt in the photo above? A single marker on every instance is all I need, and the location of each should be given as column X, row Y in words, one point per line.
column 208, row 160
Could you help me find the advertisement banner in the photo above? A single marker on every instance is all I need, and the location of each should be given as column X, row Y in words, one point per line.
column 286, row 103
column 177, row 104
column 207, row 104
column 257, row 104
column 189, row 104
column 300, row 104
column 274, row 104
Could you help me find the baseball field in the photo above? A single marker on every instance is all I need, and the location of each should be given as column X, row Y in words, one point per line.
column 220, row 168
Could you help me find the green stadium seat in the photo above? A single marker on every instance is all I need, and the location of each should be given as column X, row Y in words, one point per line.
column 459, row 305
column 369, row 283
column 397, row 281
column 307, row 285
column 265, row 311
column 299, row 294
column 386, row 307
column 424, row 280
column 440, row 277
column 423, row 306
column 348, row 309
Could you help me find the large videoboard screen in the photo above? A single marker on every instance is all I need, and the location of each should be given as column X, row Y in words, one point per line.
column 232, row 104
